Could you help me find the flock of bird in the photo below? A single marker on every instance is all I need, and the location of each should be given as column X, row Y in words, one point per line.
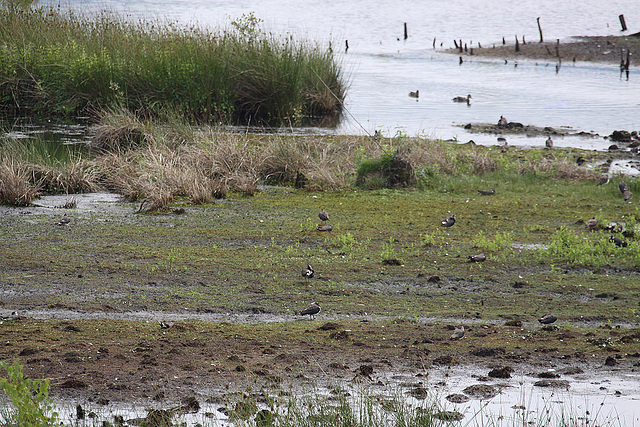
column 448, row 222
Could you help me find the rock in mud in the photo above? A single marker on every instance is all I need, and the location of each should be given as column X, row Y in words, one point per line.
column 548, row 375
column 488, row 351
column 418, row 392
column 552, row 384
column 443, row 360
column 481, row 391
column 620, row 136
column 365, row 370
column 448, row 415
column 329, row 326
column 501, row 372
column 73, row 383
column 457, row 398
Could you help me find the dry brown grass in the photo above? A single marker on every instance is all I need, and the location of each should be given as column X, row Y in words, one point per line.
column 119, row 130
column 16, row 186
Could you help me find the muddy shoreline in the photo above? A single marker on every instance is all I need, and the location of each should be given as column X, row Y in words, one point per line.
column 600, row 49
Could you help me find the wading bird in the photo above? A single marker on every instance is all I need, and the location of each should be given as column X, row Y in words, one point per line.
column 547, row 319
column 477, row 258
column 307, row 272
column 312, row 310
column 458, row 333
column 592, row 223
column 323, row 215
column 448, row 222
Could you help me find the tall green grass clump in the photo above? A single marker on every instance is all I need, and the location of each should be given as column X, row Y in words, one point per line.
column 30, row 399
column 60, row 63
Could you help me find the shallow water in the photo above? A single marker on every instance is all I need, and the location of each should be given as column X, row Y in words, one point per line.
column 382, row 67
column 610, row 398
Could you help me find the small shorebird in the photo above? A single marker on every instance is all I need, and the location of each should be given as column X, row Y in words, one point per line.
column 307, row 272
column 504, row 145
column 165, row 325
column 312, row 310
column 448, row 222
column 592, row 223
column 502, row 121
column 547, row 319
column 323, row 215
column 327, row 227
column 624, row 189
column 487, row 192
column 466, row 99
column 477, row 258
column 415, row 94
column 458, row 333
column 548, row 143
column 604, row 179
column 64, row 220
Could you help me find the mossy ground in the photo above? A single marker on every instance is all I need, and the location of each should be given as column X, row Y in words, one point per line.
column 244, row 255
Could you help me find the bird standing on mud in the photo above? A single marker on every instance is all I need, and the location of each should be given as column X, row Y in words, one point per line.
column 323, row 215
column 312, row 310
column 477, row 258
column 458, row 333
column 624, row 189
column 307, row 272
column 448, row 222
column 547, row 319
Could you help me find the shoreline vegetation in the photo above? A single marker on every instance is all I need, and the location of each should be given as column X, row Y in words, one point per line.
column 57, row 63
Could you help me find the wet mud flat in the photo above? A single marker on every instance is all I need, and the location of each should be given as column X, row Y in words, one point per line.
column 118, row 306
column 601, row 49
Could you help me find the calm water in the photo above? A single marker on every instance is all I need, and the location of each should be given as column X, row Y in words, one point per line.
column 383, row 68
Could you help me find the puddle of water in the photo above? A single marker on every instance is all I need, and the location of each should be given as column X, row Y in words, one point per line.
column 591, row 399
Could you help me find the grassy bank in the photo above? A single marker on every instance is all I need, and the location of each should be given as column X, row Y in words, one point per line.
column 60, row 63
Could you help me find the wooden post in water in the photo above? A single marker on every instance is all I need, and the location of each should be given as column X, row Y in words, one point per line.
column 503, row 41
column 405, row 31
column 558, row 48
column 434, row 42
column 460, row 45
column 455, row 43
column 517, row 45
column 622, row 23
column 346, row 46
column 523, row 40
column 539, row 29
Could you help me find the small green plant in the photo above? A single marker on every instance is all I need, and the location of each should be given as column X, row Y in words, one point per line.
column 389, row 254
column 30, row 399
column 500, row 244
column 428, row 240
column 571, row 247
